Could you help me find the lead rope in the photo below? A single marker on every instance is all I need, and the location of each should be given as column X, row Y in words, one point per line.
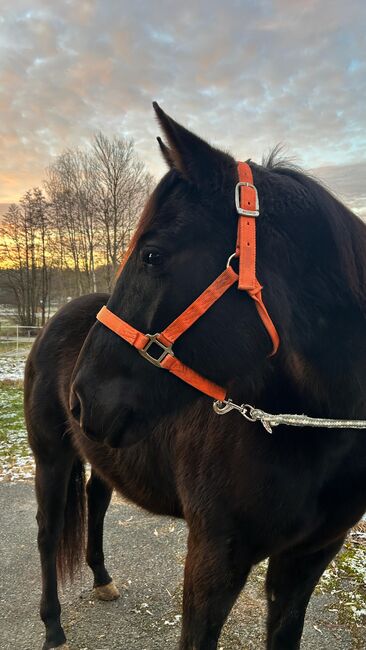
column 270, row 420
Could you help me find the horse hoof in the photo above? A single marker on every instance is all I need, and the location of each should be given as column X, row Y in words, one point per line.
column 107, row 592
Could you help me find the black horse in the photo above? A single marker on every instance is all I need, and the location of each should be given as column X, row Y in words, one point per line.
column 246, row 495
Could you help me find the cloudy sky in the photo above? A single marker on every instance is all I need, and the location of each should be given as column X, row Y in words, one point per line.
column 244, row 74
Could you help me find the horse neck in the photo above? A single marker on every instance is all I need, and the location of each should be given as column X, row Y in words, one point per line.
column 328, row 375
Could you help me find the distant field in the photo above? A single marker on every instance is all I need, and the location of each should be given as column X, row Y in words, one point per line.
column 12, row 360
column 10, row 346
column 16, row 461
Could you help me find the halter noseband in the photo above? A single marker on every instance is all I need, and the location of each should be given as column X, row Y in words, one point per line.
column 247, row 205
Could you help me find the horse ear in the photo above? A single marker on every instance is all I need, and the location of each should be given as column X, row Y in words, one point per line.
column 167, row 154
column 194, row 158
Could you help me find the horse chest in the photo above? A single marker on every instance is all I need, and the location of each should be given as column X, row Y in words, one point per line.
column 142, row 473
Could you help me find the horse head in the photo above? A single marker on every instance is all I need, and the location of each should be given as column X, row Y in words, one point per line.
column 184, row 238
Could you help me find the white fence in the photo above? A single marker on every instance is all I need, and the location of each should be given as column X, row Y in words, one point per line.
column 15, row 337
column 15, row 344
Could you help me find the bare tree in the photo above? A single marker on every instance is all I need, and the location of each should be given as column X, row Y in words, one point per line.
column 78, row 236
column 70, row 185
column 25, row 241
column 122, row 187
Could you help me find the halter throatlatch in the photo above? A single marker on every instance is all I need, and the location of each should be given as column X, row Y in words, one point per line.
column 157, row 348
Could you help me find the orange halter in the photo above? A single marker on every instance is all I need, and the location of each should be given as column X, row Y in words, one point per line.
column 247, row 205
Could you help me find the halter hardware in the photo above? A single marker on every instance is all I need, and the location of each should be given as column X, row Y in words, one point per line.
column 247, row 205
column 154, row 340
column 238, row 201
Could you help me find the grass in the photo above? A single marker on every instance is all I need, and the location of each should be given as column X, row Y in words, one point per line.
column 10, row 346
column 345, row 578
column 15, row 456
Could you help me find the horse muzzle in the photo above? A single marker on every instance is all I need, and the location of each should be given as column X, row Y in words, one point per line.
column 99, row 420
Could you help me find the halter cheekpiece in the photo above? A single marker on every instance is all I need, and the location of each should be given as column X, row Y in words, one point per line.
column 157, row 348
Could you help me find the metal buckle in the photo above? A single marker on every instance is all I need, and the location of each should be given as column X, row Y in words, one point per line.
column 166, row 349
column 240, row 210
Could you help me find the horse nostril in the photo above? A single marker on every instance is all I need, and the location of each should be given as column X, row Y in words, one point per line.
column 76, row 411
column 75, row 406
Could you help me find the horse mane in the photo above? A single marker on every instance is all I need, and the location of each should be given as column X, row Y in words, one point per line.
column 347, row 229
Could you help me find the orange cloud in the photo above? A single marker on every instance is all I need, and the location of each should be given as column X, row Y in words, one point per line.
column 243, row 77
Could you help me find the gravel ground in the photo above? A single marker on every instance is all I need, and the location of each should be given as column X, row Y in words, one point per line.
column 145, row 555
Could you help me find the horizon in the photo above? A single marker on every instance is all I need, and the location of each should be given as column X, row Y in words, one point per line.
column 342, row 180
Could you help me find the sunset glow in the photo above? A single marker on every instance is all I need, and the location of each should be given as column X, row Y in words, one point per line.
column 293, row 73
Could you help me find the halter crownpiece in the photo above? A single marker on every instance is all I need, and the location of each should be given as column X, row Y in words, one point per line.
column 247, row 205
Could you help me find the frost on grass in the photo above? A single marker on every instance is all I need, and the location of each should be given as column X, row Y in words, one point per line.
column 12, row 368
column 12, row 360
column 345, row 578
column 16, row 461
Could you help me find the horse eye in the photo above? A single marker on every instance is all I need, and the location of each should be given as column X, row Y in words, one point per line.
column 152, row 258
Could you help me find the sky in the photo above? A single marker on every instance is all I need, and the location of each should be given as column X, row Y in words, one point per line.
column 245, row 75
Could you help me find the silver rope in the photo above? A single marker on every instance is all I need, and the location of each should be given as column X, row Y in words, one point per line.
column 270, row 420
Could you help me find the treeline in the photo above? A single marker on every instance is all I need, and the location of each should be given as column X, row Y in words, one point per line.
column 68, row 238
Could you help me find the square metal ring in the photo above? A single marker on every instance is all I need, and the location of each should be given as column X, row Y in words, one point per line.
column 166, row 350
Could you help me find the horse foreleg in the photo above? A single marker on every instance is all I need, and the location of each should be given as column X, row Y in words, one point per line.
column 52, row 479
column 215, row 572
column 291, row 579
column 99, row 497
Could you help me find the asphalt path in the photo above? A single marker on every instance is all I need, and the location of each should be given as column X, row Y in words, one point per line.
column 145, row 554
